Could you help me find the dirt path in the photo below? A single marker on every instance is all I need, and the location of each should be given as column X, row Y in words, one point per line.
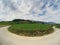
column 7, row 38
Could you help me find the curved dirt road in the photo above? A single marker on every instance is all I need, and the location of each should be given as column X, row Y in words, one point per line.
column 7, row 38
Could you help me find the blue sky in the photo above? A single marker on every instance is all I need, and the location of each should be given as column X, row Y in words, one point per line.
column 39, row 10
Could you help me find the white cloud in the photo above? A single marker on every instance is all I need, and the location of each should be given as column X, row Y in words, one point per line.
column 30, row 9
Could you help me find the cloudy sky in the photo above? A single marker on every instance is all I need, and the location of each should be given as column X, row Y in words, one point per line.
column 39, row 10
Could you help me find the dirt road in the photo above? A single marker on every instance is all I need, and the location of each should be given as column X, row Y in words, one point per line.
column 7, row 38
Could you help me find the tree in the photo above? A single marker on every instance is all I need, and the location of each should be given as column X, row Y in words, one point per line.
column 17, row 20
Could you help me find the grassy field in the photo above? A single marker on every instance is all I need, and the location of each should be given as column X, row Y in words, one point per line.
column 31, row 29
column 57, row 25
column 28, row 29
column 2, row 24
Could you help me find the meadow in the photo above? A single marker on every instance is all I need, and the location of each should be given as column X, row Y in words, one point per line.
column 33, row 29
column 28, row 28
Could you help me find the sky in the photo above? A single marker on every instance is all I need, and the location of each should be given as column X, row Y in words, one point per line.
column 39, row 10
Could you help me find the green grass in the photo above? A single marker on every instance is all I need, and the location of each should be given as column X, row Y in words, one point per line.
column 28, row 29
column 31, row 29
column 57, row 25
column 2, row 24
